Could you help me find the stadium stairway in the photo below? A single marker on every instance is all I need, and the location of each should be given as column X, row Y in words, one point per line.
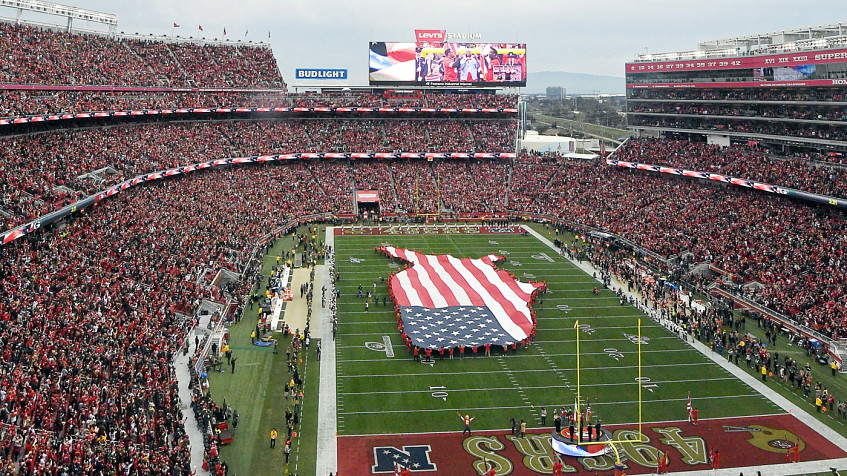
column 195, row 435
column 812, row 467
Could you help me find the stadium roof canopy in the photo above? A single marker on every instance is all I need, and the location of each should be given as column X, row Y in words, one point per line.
column 833, row 35
column 820, row 32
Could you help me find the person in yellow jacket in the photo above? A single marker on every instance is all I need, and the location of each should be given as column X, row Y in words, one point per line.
column 818, row 403
column 764, row 373
column 273, row 437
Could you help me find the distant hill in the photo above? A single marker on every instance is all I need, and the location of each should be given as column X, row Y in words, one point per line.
column 574, row 83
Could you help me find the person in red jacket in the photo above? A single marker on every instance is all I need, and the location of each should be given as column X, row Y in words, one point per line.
column 716, row 460
column 663, row 463
column 557, row 468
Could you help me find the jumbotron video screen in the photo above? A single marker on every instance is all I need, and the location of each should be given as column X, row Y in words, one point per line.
column 444, row 64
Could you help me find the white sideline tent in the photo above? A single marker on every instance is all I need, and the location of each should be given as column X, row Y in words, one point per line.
column 533, row 141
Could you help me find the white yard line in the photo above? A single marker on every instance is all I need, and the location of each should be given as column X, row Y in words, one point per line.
column 549, row 405
column 326, row 460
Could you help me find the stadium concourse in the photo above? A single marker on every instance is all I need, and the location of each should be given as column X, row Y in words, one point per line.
column 99, row 309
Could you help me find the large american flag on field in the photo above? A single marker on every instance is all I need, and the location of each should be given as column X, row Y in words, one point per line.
column 444, row 301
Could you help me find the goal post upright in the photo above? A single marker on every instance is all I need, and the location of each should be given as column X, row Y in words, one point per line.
column 640, row 418
column 610, row 442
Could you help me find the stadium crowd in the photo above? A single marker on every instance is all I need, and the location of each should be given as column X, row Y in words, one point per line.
column 32, row 55
column 46, row 101
column 739, row 161
column 23, row 102
column 93, row 310
column 782, row 111
column 91, row 316
column 825, row 132
column 39, row 174
column 796, row 255
column 742, row 94
column 671, row 216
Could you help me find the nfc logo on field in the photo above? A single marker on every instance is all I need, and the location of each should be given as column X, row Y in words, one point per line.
column 416, row 458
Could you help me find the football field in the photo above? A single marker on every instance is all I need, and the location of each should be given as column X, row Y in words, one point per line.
column 379, row 394
column 394, row 411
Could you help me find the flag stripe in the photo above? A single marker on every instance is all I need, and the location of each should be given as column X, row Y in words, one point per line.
column 416, row 290
column 399, row 289
column 494, row 299
column 510, row 303
column 415, row 279
column 445, row 291
column 516, row 287
column 466, row 296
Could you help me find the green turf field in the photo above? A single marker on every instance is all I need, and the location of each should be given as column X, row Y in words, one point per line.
column 256, row 392
column 378, row 394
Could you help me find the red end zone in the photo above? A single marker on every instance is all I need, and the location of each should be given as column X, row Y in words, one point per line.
column 741, row 442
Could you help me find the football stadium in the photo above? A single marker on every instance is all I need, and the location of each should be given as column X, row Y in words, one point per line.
column 425, row 289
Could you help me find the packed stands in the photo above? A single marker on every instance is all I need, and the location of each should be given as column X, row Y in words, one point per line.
column 757, row 94
column 415, row 186
column 46, row 100
column 23, row 102
column 31, row 55
column 792, row 248
column 745, row 162
column 472, row 187
column 375, row 175
column 92, row 309
column 776, row 128
column 90, row 317
column 36, row 176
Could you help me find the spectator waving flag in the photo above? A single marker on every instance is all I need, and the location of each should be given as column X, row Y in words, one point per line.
column 200, row 26
column 444, row 301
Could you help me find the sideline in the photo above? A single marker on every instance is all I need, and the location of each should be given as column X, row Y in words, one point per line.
column 821, row 466
column 326, row 459
column 183, row 377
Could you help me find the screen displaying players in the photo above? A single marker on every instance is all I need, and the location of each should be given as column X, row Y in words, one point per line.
column 438, row 64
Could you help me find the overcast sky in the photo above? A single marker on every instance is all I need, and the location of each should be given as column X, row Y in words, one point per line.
column 595, row 37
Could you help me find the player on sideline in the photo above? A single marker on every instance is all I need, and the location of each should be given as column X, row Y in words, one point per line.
column 557, row 467
column 663, row 463
column 467, row 419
